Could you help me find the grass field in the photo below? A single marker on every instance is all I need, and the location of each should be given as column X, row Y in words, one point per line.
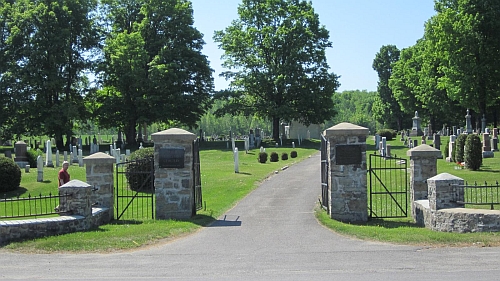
column 222, row 189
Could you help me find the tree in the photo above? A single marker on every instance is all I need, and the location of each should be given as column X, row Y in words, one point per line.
column 46, row 46
column 414, row 85
column 354, row 107
column 153, row 68
column 386, row 109
column 275, row 56
column 466, row 34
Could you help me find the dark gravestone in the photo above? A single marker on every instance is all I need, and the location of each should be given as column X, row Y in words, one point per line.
column 348, row 154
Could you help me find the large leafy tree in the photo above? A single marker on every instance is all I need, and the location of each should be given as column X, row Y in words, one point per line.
column 275, row 56
column 386, row 109
column 153, row 68
column 414, row 81
column 47, row 46
column 466, row 34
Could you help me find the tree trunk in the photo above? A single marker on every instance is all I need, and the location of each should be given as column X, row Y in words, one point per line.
column 130, row 133
column 276, row 128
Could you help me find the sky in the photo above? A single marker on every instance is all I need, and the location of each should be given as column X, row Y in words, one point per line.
column 358, row 28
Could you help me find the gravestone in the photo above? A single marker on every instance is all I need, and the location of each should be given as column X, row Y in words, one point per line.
column 39, row 166
column 416, row 130
column 494, row 140
column 487, row 153
column 48, row 155
column 483, row 124
column 377, row 142
column 21, row 154
column 468, row 124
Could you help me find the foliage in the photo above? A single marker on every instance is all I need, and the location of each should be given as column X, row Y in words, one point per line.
column 275, row 56
column 138, row 170
column 284, row 156
column 293, row 154
column 32, row 155
column 386, row 109
column 151, row 55
column 10, row 174
column 46, row 49
column 274, row 157
column 389, row 134
column 459, row 148
column 464, row 33
column 262, row 157
column 354, row 107
column 447, row 150
column 473, row 152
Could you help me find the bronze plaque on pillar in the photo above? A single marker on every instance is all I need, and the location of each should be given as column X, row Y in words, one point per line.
column 171, row 157
column 348, row 154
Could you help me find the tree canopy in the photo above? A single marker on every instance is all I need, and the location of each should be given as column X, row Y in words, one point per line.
column 277, row 68
column 153, row 68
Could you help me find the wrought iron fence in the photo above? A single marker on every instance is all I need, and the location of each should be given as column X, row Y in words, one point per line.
column 477, row 194
column 30, row 206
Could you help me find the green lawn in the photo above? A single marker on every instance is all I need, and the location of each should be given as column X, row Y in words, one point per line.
column 222, row 189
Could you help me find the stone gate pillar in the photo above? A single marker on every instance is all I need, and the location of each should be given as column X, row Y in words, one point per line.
column 99, row 174
column 347, row 172
column 423, row 165
column 174, row 174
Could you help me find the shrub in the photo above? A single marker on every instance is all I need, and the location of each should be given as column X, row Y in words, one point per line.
column 459, row 148
column 274, row 157
column 32, row 155
column 293, row 154
column 10, row 174
column 389, row 134
column 138, row 171
column 284, row 156
column 473, row 152
column 262, row 157
column 447, row 149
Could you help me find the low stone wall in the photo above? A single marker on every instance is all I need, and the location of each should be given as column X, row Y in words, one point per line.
column 459, row 220
column 35, row 228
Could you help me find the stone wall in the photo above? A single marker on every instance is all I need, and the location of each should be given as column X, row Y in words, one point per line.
column 81, row 216
column 35, row 228
column 441, row 212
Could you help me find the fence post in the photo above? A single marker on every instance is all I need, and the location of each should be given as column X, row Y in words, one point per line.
column 347, row 186
column 99, row 174
column 174, row 175
column 423, row 165
column 78, row 200
column 444, row 192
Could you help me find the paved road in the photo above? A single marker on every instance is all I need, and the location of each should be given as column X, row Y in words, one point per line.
column 270, row 235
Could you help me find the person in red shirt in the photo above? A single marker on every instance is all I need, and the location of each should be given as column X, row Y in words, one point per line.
column 63, row 175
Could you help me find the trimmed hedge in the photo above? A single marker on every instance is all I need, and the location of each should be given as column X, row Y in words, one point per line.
column 473, row 152
column 389, row 134
column 459, row 148
column 10, row 175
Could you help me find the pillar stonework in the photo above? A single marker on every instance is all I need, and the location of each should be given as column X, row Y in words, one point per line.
column 77, row 201
column 99, row 174
column 347, row 172
column 173, row 158
column 423, row 165
column 444, row 193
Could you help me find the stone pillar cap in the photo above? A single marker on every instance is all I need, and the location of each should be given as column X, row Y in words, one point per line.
column 99, row 156
column 173, row 133
column 346, row 129
column 424, row 150
column 75, row 183
column 444, row 176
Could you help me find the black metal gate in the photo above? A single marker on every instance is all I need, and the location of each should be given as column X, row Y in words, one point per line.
column 324, row 172
column 198, row 200
column 134, row 190
column 388, row 188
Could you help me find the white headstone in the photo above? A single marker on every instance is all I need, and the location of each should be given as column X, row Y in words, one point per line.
column 48, row 155
column 236, row 160
column 57, row 158
column 39, row 166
